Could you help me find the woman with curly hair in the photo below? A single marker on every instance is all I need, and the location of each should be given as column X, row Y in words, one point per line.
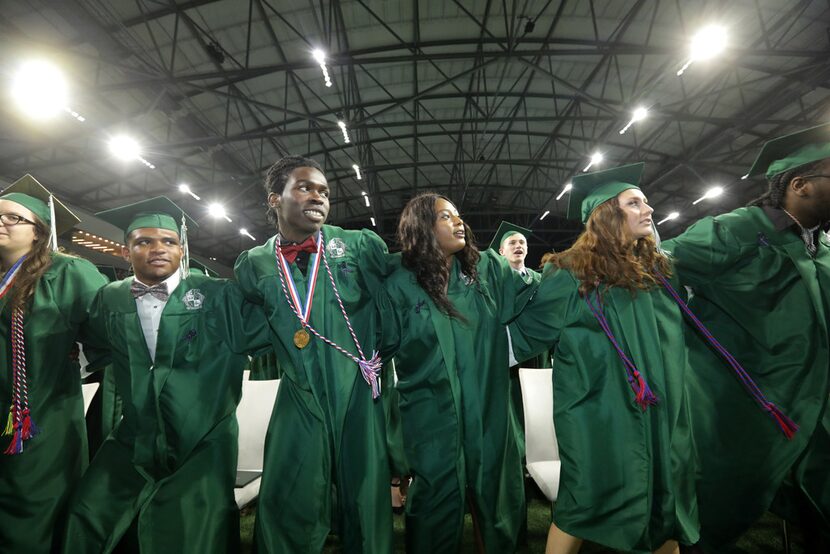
column 620, row 405
column 44, row 297
column 444, row 313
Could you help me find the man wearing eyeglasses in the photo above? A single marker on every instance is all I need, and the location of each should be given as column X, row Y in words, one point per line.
column 761, row 282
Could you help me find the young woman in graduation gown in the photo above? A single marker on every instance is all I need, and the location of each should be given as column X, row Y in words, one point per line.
column 444, row 312
column 627, row 477
column 50, row 292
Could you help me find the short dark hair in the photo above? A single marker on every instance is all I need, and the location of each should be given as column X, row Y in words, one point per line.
column 774, row 197
column 277, row 177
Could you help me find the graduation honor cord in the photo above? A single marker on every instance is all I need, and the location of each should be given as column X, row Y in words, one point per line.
column 370, row 369
column 787, row 426
column 19, row 424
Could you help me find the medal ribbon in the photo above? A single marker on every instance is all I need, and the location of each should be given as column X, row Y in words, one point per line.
column 370, row 369
column 19, row 424
column 303, row 312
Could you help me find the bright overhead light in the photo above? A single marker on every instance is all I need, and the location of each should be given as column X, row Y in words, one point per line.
column 707, row 43
column 244, row 231
column 713, row 192
column 186, row 190
column 365, row 198
column 357, row 171
column 342, row 126
column 39, row 90
column 320, row 57
column 638, row 114
column 567, row 188
column 373, row 222
column 672, row 215
column 124, row 148
column 596, row 158
column 217, row 210
column 544, row 215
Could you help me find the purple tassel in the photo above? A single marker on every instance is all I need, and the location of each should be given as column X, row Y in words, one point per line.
column 643, row 395
column 370, row 370
column 16, row 445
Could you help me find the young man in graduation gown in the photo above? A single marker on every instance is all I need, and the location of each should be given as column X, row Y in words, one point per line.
column 761, row 282
column 163, row 481
column 38, row 472
column 326, row 466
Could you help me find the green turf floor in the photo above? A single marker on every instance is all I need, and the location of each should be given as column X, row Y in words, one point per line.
column 765, row 537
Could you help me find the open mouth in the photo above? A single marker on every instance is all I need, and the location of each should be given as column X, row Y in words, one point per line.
column 459, row 234
column 314, row 215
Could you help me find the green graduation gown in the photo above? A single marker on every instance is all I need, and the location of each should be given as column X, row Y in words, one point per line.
column 766, row 300
column 170, row 465
column 454, row 404
column 627, row 475
column 326, row 465
column 35, row 485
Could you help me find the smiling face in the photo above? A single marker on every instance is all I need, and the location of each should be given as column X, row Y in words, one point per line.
column 634, row 205
column 155, row 254
column 303, row 206
column 18, row 239
column 448, row 227
column 514, row 249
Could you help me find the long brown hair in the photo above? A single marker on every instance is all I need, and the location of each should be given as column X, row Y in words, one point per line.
column 422, row 256
column 606, row 253
column 34, row 266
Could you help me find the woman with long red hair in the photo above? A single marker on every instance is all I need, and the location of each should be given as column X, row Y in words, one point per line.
column 620, row 405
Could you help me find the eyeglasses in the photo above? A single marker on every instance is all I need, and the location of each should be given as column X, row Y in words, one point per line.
column 816, row 175
column 14, row 219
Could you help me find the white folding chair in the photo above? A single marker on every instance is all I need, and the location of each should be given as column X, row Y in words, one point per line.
column 541, row 449
column 253, row 415
column 88, row 390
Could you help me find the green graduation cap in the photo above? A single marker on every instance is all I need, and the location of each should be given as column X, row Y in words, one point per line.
column 505, row 230
column 592, row 189
column 157, row 213
column 29, row 193
column 791, row 151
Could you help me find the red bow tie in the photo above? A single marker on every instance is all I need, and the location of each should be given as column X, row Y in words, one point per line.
column 290, row 251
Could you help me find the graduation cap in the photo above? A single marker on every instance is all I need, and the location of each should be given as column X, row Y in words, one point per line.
column 791, row 151
column 30, row 194
column 154, row 213
column 505, row 230
column 592, row 189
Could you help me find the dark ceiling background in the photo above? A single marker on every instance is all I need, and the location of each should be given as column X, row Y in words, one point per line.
column 493, row 103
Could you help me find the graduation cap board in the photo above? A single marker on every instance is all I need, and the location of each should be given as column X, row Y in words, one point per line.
column 506, row 230
column 592, row 189
column 30, row 194
column 792, row 151
column 154, row 213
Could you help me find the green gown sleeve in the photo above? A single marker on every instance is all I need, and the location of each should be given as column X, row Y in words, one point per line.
column 704, row 251
column 510, row 290
column 375, row 263
column 389, row 326
column 245, row 275
column 537, row 327
column 237, row 322
column 85, row 282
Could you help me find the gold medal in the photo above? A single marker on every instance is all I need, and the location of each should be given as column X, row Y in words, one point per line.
column 301, row 339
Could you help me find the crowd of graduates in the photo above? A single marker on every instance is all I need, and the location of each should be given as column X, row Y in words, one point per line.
column 691, row 377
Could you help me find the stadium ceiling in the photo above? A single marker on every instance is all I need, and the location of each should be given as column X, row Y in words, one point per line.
column 496, row 104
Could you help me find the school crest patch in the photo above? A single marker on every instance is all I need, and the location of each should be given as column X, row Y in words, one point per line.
column 193, row 299
column 336, row 248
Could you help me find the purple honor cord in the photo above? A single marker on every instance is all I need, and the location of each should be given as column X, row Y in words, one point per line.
column 787, row 426
column 370, row 369
column 642, row 393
